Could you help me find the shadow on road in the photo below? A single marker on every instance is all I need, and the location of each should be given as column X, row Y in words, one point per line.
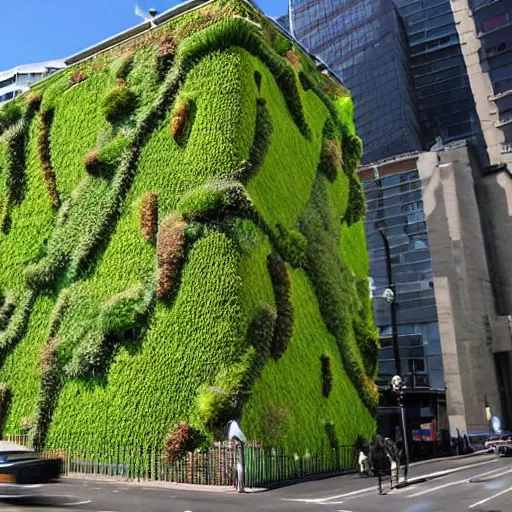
column 58, row 501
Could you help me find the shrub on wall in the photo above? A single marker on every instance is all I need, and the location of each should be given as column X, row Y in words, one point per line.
column 292, row 59
column 77, row 78
column 353, row 151
column 7, row 310
column 170, row 250
column 122, row 317
column 105, row 160
column 179, row 118
column 125, row 67
column 330, row 160
column 240, row 32
column 10, row 114
column 149, row 215
column 165, row 54
column 261, row 330
column 331, row 279
column 181, row 439
column 356, row 209
column 4, row 404
column 284, row 323
column 291, row 245
column 215, row 200
column 45, row 122
column 257, row 80
column 33, row 101
column 261, row 142
column 119, row 103
column 14, row 169
column 325, row 363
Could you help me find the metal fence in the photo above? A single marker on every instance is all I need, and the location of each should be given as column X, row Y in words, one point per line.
column 216, row 466
column 268, row 466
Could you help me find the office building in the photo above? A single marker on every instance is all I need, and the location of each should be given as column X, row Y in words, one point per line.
column 442, row 89
column 19, row 79
column 485, row 31
column 364, row 42
column 451, row 336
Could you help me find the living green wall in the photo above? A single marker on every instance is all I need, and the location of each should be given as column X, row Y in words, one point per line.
column 182, row 240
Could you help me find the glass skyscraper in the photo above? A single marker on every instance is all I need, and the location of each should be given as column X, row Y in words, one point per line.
column 443, row 93
column 395, row 205
column 364, row 42
column 493, row 21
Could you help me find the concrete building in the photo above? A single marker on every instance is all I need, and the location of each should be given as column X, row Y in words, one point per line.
column 19, row 79
column 364, row 42
column 428, row 204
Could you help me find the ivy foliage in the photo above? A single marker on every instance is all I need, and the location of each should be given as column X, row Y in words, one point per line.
column 204, row 144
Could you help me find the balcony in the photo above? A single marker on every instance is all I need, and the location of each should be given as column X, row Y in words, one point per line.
column 504, row 122
column 501, row 95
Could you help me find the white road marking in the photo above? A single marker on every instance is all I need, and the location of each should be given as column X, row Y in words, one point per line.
column 320, row 500
column 458, row 482
column 450, row 471
column 74, row 503
column 344, row 511
column 412, row 480
column 491, row 498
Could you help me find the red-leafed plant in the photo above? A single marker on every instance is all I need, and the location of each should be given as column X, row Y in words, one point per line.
column 170, row 250
column 149, row 215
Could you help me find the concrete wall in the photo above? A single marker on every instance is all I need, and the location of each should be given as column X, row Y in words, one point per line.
column 495, row 197
column 470, row 329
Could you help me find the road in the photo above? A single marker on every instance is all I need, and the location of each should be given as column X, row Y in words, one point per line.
column 480, row 484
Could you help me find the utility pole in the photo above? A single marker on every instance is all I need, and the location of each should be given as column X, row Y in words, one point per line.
column 391, row 286
column 397, row 383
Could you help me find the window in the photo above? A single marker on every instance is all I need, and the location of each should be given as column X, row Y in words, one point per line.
column 494, row 22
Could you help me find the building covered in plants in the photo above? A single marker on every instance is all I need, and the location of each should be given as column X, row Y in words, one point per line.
column 182, row 244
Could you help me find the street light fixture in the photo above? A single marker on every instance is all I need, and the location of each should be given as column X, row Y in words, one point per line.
column 397, row 383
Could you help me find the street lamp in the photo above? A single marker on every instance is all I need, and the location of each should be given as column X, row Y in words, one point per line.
column 397, row 383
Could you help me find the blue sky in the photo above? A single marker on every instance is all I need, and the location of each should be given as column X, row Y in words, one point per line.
column 38, row 30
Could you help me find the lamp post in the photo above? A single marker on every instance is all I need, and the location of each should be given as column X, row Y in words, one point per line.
column 397, row 383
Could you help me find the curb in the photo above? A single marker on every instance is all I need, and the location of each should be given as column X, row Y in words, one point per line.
column 112, row 480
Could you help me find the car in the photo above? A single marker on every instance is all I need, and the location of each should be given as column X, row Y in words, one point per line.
column 495, row 441
column 504, row 448
column 21, row 466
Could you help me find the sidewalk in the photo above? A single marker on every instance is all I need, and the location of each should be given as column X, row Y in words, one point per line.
column 351, row 482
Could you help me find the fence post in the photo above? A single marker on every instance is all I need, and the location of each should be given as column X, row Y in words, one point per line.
column 191, row 467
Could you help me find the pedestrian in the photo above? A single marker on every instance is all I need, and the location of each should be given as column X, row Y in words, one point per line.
column 379, row 462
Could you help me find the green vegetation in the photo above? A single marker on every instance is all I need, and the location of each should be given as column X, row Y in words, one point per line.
column 180, row 247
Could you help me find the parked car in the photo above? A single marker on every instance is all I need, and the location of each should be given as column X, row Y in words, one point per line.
column 494, row 442
column 21, row 466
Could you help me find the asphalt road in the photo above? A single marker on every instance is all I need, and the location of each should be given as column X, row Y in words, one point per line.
column 480, row 484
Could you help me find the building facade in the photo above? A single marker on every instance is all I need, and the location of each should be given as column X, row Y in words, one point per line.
column 442, row 89
column 451, row 335
column 19, row 79
column 364, row 42
column 485, row 31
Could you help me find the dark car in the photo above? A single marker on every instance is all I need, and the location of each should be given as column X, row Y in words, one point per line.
column 21, row 466
column 505, row 449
